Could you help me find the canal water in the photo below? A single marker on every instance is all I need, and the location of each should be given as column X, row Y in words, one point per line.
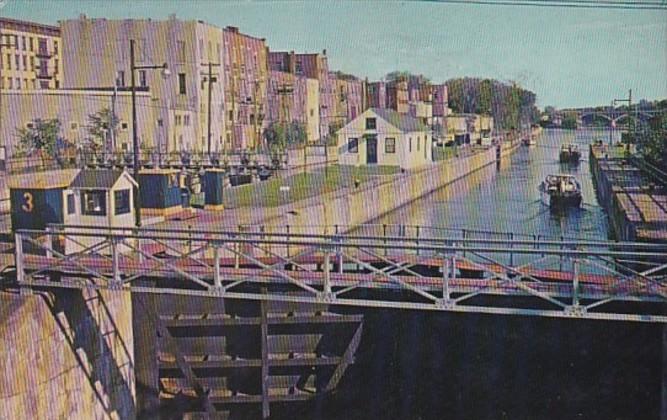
column 506, row 198
column 417, row 365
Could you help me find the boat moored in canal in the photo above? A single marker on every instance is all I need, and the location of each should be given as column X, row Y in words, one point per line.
column 569, row 153
column 561, row 191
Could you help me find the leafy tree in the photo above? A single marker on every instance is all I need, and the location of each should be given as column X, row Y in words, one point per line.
column 652, row 142
column 100, row 125
column 569, row 121
column 281, row 135
column 42, row 137
column 509, row 104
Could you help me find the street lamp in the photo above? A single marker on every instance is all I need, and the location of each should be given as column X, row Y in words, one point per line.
column 135, row 141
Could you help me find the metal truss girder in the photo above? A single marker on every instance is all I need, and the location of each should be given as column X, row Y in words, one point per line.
column 94, row 273
column 173, row 267
column 385, row 304
column 277, row 272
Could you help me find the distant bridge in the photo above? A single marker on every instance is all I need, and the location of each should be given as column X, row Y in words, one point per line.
column 587, row 116
column 552, row 278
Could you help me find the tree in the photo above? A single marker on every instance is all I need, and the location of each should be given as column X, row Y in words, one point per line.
column 42, row 136
column 652, row 142
column 509, row 104
column 569, row 121
column 100, row 125
column 281, row 135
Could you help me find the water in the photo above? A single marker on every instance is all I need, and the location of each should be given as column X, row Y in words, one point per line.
column 506, row 199
column 417, row 365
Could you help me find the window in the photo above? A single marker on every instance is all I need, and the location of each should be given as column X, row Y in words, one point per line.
column 390, row 145
column 160, row 123
column 418, row 142
column 353, row 145
column 410, row 144
column 32, row 44
column 18, row 83
column 186, row 119
column 23, row 44
column 121, row 202
column 70, row 204
column 9, row 61
column 425, row 147
column 25, row 63
column 94, row 203
column 55, row 47
column 371, row 123
column 177, row 120
column 180, row 49
column 18, row 63
column 312, row 112
column 123, row 126
column 181, row 83
column 142, row 78
column 120, row 79
column 32, row 63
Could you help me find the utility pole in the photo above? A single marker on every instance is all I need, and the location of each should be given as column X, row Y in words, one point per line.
column 3, row 156
column 135, row 139
column 112, row 128
column 629, row 101
column 284, row 90
column 210, row 90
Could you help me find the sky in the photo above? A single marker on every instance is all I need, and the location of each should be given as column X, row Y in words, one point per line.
column 570, row 57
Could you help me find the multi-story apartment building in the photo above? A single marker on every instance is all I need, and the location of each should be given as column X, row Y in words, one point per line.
column 31, row 57
column 293, row 98
column 312, row 66
column 246, row 76
column 349, row 98
column 376, row 94
column 97, row 53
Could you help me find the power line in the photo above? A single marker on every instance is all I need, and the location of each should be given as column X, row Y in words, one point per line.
column 579, row 4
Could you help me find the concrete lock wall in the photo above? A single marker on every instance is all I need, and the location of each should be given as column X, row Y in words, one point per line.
column 374, row 199
column 66, row 355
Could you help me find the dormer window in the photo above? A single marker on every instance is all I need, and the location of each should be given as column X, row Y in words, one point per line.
column 371, row 124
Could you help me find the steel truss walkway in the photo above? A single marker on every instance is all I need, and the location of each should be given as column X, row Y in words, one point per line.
column 567, row 279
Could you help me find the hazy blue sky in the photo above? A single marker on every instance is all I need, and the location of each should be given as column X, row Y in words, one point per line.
column 569, row 57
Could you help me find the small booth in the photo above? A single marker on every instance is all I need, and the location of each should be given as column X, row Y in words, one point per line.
column 160, row 192
column 101, row 198
column 214, row 182
column 84, row 197
column 38, row 199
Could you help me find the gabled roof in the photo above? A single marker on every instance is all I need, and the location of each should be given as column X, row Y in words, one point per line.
column 403, row 122
column 103, row 179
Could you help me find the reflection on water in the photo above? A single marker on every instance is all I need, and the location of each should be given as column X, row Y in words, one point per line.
column 507, row 199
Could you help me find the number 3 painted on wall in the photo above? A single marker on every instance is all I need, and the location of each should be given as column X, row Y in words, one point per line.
column 28, row 206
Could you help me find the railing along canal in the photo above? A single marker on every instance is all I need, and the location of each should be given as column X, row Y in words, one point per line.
column 459, row 273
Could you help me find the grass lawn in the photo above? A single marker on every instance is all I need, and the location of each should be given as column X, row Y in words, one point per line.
column 302, row 185
column 443, row 153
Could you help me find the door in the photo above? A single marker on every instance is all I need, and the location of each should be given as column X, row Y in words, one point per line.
column 371, row 150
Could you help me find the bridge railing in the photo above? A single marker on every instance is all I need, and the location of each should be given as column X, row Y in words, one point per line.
column 429, row 273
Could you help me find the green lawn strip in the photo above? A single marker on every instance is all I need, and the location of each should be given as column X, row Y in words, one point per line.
column 301, row 185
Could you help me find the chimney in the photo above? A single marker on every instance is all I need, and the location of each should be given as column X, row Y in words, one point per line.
column 82, row 16
column 172, row 16
column 324, row 52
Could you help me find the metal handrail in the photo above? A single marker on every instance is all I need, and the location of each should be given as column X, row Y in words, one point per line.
column 324, row 241
column 210, row 234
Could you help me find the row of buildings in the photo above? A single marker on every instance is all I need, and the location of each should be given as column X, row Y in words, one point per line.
column 216, row 79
